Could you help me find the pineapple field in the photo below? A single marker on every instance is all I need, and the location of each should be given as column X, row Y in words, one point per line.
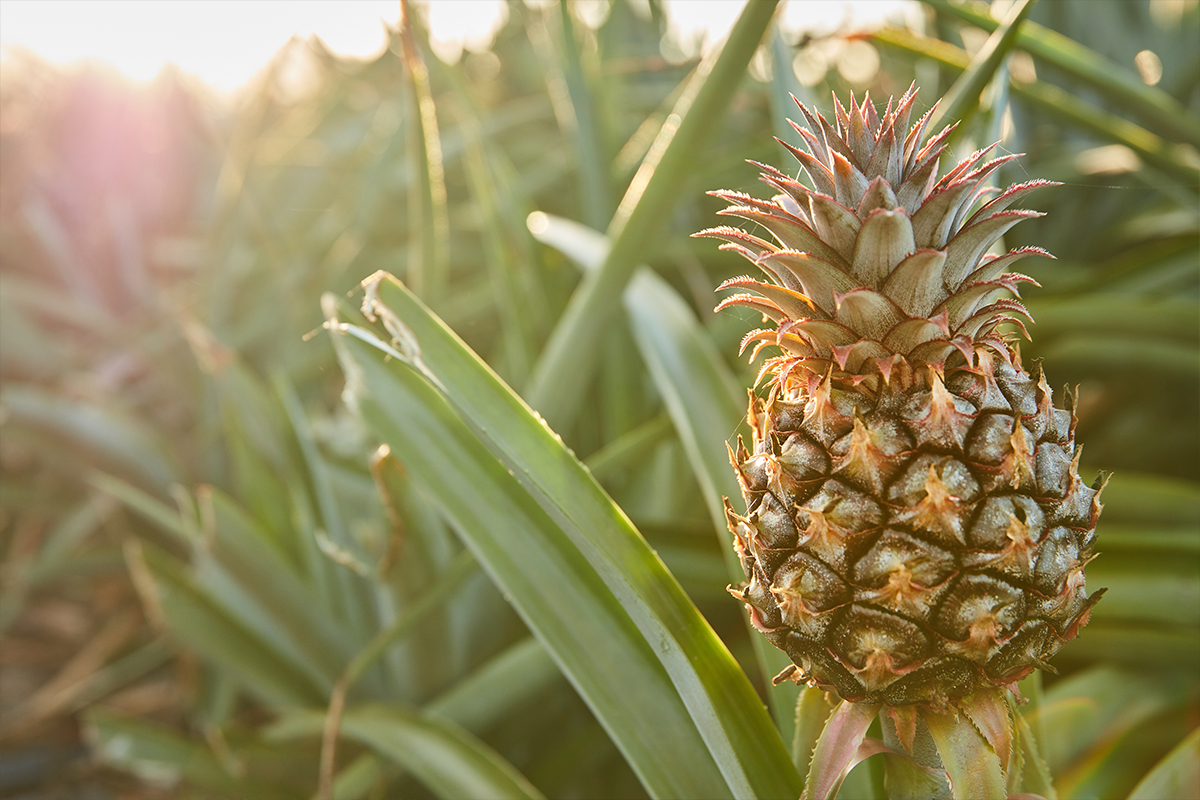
column 809, row 415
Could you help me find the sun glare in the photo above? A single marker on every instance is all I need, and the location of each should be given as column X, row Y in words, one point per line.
column 225, row 43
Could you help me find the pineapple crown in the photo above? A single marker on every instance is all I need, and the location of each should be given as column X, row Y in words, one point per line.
column 878, row 273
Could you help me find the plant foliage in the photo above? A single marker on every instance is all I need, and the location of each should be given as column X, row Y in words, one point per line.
column 316, row 530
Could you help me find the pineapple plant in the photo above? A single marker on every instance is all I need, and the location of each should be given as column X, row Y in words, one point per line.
column 915, row 530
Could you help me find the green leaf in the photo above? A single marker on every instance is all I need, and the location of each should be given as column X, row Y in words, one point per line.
column 549, row 581
column 705, row 403
column 588, row 130
column 118, row 442
column 348, row 596
column 1176, row 777
column 905, row 779
column 813, row 708
column 962, row 99
column 429, row 220
column 419, row 549
column 703, row 399
column 1151, row 499
column 562, row 373
column 1134, row 644
column 498, row 688
column 1087, row 714
column 836, row 749
column 1123, row 355
column 441, row 593
column 630, row 448
column 517, row 347
column 358, row 778
column 203, row 622
column 1149, row 540
column 1123, row 88
column 160, row 756
column 1035, row 774
column 247, row 553
column 544, row 507
column 700, row 391
column 972, row 766
column 1159, row 590
column 239, row 570
column 449, row 761
column 1058, row 103
column 146, row 505
column 1106, row 313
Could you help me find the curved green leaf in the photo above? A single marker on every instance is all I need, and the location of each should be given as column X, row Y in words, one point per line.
column 705, row 403
column 836, row 749
column 162, row 757
column 119, row 442
column 667, row 684
column 1056, row 102
column 1162, row 590
column 449, row 761
column 548, row 580
column 205, row 623
column 1120, row 85
column 1176, row 777
column 812, row 712
column 962, row 99
column 702, row 396
column 562, row 372
column 1151, row 499
column 496, row 689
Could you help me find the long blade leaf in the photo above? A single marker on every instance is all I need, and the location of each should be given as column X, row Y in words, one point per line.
column 561, row 374
column 443, row 756
column 715, row 692
column 550, row 582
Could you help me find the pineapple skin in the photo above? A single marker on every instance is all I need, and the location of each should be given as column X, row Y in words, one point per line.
column 915, row 528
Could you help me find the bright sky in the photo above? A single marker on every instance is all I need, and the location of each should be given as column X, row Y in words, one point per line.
column 225, row 42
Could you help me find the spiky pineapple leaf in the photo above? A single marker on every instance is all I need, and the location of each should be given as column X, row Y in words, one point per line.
column 1087, row 715
column 702, row 396
column 837, row 748
column 237, row 569
column 813, row 708
column 972, row 766
column 548, row 580
column 571, row 562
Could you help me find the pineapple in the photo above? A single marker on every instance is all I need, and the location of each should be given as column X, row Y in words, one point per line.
column 916, row 529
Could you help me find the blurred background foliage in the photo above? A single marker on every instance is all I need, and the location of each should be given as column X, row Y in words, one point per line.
column 202, row 544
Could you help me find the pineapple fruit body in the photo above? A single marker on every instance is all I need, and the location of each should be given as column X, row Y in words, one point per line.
column 915, row 527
